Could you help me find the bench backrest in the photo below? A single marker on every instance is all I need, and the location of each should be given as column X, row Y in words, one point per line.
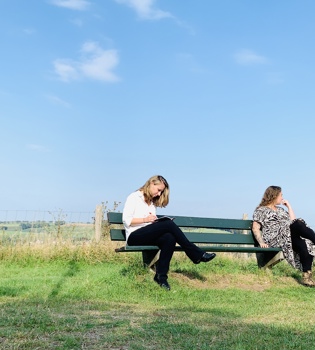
column 202, row 232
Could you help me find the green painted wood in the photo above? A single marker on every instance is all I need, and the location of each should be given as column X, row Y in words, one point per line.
column 219, row 243
column 197, row 237
column 117, row 235
column 212, row 248
column 215, row 238
column 183, row 221
column 137, row 248
column 114, row 218
column 212, row 242
column 218, row 238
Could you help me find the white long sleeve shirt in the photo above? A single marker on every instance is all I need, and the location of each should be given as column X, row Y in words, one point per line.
column 136, row 207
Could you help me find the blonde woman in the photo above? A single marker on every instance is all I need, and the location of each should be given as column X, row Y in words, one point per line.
column 274, row 226
column 139, row 218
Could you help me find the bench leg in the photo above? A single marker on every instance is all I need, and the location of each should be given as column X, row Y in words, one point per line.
column 268, row 259
column 150, row 257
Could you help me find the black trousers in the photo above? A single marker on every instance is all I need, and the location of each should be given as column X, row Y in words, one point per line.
column 299, row 229
column 165, row 235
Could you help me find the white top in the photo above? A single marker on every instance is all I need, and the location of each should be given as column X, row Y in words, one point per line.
column 136, row 207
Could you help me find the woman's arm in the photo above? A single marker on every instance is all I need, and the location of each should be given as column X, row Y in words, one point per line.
column 290, row 210
column 136, row 212
column 139, row 221
column 257, row 234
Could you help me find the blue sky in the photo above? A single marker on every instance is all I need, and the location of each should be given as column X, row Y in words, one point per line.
column 98, row 95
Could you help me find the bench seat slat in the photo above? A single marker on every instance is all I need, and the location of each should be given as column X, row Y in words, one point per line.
column 212, row 248
column 224, row 238
column 228, row 238
column 182, row 221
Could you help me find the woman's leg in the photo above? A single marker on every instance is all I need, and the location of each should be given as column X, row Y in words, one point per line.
column 299, row 246
column 150, row 235
column 167, row 244
column 299, row 228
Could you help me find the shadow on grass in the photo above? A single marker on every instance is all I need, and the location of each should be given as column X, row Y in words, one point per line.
column 10, row 292
column 192, row 275
column 72, row 270
column 65, row 325
column 219, row 330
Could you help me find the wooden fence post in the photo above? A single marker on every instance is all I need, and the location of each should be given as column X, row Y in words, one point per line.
column 98, row 222
column 245, row 217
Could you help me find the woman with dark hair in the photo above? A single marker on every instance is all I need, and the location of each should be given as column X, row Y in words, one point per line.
column 273, row 226
column 139, row 218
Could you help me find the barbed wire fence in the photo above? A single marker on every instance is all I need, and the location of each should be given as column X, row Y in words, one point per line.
column 78, row 226
column 26, row 226
column 7, row 216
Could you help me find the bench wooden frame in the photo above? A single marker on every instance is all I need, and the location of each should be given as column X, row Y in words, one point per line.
column 211, row 234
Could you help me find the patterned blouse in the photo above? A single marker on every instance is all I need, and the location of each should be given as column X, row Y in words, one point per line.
column 275, row 228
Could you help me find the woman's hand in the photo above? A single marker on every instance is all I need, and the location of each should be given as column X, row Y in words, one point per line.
column 258, row 235
column 286, row 203
column 264, row 245
column 140, row 221
column 150, row 218
column 290, row 210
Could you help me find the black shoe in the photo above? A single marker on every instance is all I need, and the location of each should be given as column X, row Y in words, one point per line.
column 164, row 284
column 206, row 257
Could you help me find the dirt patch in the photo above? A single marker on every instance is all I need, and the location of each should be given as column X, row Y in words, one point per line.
column 244, row 282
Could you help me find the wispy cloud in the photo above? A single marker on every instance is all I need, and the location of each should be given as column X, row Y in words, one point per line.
column 145, row 9
column 275, row 78
column 188, row 62
column 37, row 148
column 58, row 101
column 77, row 22
column 248, row 57
column 28, row 31
column 95, row 63
column 79, row 5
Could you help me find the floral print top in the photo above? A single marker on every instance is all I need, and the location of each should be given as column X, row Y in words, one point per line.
column 275, row 229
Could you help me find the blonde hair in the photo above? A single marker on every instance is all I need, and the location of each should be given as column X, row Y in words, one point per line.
column 163, row 199
column 270, row 195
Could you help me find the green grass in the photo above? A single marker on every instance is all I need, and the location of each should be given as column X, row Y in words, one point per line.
column 91, row 298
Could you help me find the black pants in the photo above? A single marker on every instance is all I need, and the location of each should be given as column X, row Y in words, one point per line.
column 299, row 229
column 165, row 235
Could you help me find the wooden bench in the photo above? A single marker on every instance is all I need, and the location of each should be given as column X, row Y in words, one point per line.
column 211, row 234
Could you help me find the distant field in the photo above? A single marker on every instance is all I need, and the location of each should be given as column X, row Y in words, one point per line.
column 22, row 232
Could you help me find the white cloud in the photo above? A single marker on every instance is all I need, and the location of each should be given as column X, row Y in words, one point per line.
column 145, row 9
column 247, row 57
column 77, row 22
column 37, row 148
column 57, row 100
column 72, row 4
column 96, row 63
column 66, row 70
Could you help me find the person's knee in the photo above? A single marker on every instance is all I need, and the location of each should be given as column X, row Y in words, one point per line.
column 301, row 248
column 167, row 240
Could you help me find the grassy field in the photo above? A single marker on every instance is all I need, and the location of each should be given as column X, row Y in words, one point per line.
column 86, row 297
column 14, row 234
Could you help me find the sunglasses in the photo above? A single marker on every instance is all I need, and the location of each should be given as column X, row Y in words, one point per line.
column 162, row 179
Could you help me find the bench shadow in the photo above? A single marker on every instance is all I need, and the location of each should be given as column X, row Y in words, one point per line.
column 71, row 271
column 192, row 275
